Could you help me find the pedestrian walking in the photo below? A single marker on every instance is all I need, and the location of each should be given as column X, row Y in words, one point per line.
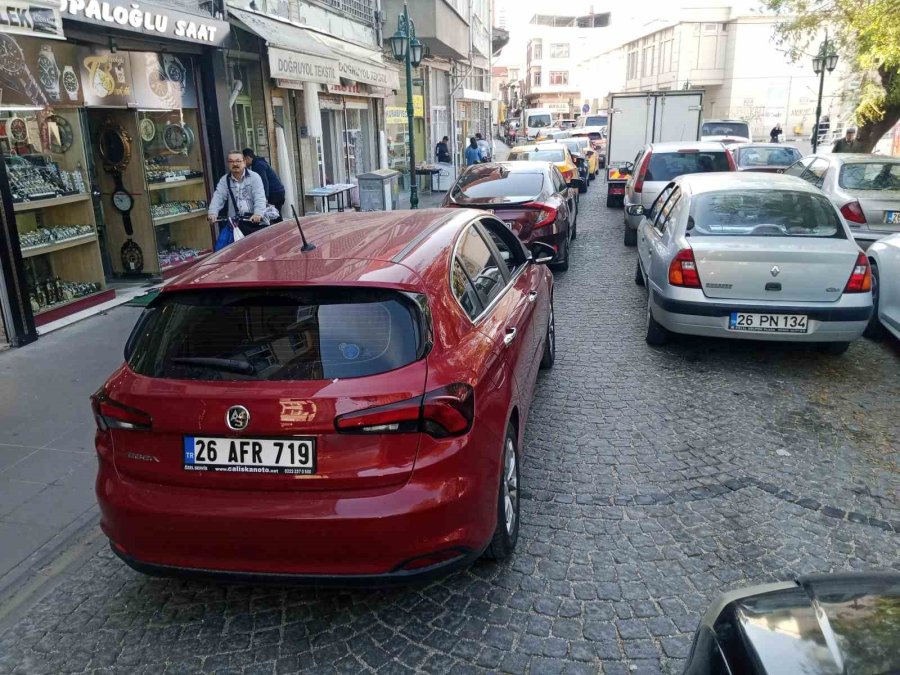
column 272, row 185
column 241, row 194
column 775, row 134
column 848, row 143
column 484, row 146
column 442, row 151
column 473, row 152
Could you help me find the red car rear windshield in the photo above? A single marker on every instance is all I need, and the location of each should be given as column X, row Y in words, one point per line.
column 276, row 334
column 664, row 166
column 512, row 186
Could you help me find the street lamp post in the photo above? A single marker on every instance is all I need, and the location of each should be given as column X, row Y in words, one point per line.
column 826, row 60
column 405, row 47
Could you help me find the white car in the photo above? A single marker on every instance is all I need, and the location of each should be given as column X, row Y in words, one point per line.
column 884, row 256
column 754, row 257
column 725, row 131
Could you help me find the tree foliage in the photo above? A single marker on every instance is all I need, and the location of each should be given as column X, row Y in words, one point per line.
column 867, row 36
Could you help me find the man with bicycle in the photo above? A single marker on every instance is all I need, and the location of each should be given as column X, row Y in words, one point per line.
column 242, row 192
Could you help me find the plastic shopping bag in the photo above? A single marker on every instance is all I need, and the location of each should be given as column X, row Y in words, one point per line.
column 238, row 235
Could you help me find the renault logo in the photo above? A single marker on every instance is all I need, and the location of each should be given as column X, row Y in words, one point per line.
column 237, row 418
column 775, row 271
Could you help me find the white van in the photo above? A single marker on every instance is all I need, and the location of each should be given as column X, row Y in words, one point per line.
column 535, row 120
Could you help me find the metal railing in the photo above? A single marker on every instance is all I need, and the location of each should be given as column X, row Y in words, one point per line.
column 363, row 10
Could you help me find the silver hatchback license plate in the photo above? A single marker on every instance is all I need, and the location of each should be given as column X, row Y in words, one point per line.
column 295, row 456
column 768, row 323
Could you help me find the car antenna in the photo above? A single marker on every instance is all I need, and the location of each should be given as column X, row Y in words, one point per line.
column 306, row 245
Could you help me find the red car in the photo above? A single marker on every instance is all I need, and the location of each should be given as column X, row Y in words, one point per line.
column 349, row 413
column 532, row 198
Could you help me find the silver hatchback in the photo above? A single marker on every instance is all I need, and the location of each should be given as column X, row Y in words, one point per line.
column 751, row 256
column 658, row 163
column 865, row 188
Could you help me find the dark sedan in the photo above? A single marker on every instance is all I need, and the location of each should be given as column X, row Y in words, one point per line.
column 766, row 157
column 530, row 197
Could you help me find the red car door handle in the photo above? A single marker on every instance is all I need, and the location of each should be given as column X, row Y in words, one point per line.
column 510, row 336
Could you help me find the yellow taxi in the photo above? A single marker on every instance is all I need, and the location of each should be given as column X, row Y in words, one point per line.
column 549, row 152
column 588, row 150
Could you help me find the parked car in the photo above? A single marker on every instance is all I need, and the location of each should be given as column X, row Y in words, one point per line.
column 817, row 625
column 576, row 150
column 535, row 119
column 552, row 133
column 767, row 157
column 884, row 256
column 567, row 123
column 582, row 147
column 531, row 198
column 549, row 152
column 598, row 140
column 751, row 256
column 285, row 412
column 725, row 131
column 866, row 189
column 658, row 163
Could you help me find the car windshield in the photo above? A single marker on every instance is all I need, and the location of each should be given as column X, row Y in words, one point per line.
column 513, row 186
column 276, row 334
column 763, row 213
column 870, row 176
column 537, row 155
column 595, row 121
column 664, row 166
column 759, row 157
column 539, row 121
column 574, row 146
column 726, row 129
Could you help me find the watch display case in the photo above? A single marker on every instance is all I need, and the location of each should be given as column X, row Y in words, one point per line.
column 44, row 154
column 176, row 186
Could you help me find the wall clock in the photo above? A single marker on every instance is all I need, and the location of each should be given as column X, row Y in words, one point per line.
column 66, row 135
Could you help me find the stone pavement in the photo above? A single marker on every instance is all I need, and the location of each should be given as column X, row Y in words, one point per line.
column 652, row 480
column 47, row 460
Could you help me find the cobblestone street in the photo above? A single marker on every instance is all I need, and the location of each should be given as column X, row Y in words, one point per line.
column 653, row 479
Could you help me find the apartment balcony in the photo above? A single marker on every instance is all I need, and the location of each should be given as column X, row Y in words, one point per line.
column 439, row 25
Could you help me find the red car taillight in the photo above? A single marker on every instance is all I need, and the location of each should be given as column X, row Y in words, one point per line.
column 853, row 212
column 546, row 214
column 110, row 414
column 683, row 270
column 639, row 181
column 861, row 279
column 447, row 411
column 732, row 166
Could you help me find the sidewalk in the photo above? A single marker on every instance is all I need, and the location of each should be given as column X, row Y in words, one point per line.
column 47, row 461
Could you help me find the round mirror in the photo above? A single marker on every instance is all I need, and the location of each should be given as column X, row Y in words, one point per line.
column 115, row 146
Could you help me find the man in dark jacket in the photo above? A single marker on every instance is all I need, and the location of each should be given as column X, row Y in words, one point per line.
column 442, row 151
column 848, row 142
column 271, row 182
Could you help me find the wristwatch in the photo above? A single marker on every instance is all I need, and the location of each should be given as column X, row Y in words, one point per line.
column 70, row 83
column 48, row 72
column 14, row 72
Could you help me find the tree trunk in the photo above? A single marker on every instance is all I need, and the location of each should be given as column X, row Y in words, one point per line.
column 871, row 132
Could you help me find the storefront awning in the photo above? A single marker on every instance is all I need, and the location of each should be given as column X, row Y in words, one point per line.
column 302, row 55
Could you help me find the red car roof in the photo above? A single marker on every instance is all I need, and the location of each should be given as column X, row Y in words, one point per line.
column 352, row 248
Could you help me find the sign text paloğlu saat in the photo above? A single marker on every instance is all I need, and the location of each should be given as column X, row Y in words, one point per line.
column 147, row 19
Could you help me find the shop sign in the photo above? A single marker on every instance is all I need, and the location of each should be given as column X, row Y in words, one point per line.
column 288, row 65
column 370, row 74
column 38, row 19
column 352, row 89
column 151, row 20
column 418, row 105
column 395, row 114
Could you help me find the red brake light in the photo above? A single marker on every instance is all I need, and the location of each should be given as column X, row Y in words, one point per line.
column 853, row 212
column 683, row 270
column 861, row 279
column 639, row 182
column 545, row 216
column 732, row 166
column 447, row 411
column 110, row 414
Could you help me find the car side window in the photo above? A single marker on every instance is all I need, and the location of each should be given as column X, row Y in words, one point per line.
column 660, row 201
column 508, row 245
column 487, row 275
column 815, row 174
column 798, row 168
column 666, row 213
column 464, row 291
column 558, row 182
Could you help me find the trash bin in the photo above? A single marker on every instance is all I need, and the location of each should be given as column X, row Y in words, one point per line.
column 379, row 190
column 444, row 180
